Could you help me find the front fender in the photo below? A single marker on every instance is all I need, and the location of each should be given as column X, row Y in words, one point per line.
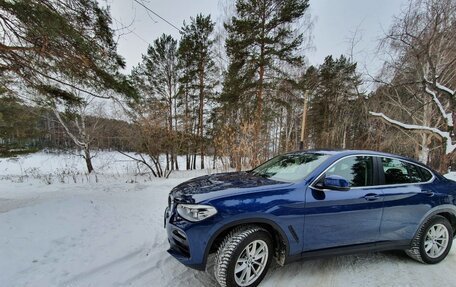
column 266, row 219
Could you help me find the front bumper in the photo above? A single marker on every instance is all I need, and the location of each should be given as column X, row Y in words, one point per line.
column 187, row 240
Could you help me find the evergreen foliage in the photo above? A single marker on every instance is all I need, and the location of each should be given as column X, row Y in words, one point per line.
column 261, row 39
column 51, row 46
column 197, row 74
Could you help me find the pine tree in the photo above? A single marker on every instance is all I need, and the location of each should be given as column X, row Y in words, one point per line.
column 198, row 71
column 260, row 39
column 159, row 74
column 334, row 97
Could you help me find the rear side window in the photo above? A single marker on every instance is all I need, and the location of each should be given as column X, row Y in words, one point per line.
column 425, row 174
column 400, row 172
column 357, row 170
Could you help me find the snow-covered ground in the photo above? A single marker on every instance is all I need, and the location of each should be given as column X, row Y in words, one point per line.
column 65, row 162
column 61, row 167
column 111, row 233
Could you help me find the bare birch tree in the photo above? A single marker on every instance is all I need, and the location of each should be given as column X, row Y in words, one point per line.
column 424, row 60
column 74, row 119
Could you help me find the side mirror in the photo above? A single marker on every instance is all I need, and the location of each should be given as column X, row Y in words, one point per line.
column 336, row 182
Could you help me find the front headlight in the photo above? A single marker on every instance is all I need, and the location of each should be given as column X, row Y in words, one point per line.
column 195, row 212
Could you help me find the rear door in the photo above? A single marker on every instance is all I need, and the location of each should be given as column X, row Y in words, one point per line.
column 340, row 218
column 408, row 195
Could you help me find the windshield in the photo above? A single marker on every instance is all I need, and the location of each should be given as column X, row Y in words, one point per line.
column 290, row 167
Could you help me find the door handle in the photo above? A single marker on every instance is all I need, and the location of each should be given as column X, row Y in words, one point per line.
column 371, row 196
column 427, row 192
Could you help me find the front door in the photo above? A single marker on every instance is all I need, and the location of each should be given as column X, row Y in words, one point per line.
column 340, row 218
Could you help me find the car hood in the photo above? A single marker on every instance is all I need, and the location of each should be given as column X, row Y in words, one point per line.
column 215, row 185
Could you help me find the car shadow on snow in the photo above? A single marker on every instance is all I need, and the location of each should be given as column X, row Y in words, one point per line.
column 328, row 271
column 336, row 270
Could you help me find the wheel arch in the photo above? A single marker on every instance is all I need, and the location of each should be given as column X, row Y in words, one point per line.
column 448, row 211
column 279, row 238
column 451, row 217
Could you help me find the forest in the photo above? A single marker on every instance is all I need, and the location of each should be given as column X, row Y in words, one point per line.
column 241, row 91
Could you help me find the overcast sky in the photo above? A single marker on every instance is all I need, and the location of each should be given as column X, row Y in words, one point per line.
column 335, row 22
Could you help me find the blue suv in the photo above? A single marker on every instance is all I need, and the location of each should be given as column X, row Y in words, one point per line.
column 309, row 204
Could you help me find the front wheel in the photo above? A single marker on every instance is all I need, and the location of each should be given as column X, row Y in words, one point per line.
column 244, row 257
column 432, row 241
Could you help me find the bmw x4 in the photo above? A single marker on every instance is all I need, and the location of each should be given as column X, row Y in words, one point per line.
column 308, row 204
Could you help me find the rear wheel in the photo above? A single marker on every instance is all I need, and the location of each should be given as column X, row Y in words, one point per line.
column 244, row 257
column 433, row 241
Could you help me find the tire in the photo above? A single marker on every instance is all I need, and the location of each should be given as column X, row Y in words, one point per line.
column 236, row 246
column 433, row 241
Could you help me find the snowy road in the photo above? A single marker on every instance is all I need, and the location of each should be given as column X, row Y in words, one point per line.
column 111, row 234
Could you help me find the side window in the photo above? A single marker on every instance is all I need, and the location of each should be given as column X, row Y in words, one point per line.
column 425, row 174
column 397, row 172
column 357, row 170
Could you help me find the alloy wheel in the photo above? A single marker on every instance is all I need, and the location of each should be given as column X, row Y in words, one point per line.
column 436, row 240
column 251, row 263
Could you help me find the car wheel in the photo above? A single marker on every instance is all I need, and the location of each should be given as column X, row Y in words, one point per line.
column 432, row 241
column 244, row 257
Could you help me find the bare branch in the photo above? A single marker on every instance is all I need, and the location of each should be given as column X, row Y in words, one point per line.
column 447, row 116
column 450, row 147
column 67, row 130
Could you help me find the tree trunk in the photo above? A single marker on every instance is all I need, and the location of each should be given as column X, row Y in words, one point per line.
column 423, row 148
column 238, row 162
column 344, row 139
column 259, row 110
column 258, row 118
column 158, row 166
column 194, row 161
column 176, row 138
column 200, row 113
column 171, row 159
column 88, row 159
column 188, row 160
column 187, row 130
column 175, row 161
column 303, row 122
column 280, row 144
column 170, row 125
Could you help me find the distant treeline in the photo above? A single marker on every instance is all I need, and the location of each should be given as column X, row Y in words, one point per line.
column 25, row 127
